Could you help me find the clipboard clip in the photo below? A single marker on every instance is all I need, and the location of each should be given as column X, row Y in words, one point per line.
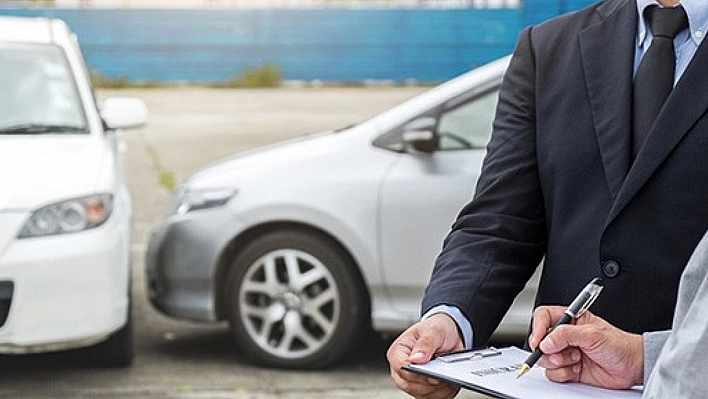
column 470, row 354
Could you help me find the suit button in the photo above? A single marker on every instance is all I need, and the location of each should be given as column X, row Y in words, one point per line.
column 610, row 268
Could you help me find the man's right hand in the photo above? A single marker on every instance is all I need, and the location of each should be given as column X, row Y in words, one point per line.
column 591, row 351
column 435, row 335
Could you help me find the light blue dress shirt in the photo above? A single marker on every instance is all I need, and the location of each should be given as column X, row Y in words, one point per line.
column 686, row 43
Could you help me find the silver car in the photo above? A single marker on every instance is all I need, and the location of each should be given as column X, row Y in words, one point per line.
column 303, row 245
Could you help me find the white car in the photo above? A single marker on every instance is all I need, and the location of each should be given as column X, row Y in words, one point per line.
column 304, row 244
column 65, row 210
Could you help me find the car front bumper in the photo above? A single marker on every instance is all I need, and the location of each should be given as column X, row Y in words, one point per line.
column 182, row 261
column 68, row 290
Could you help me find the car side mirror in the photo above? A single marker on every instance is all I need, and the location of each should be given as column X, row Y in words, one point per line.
column 419, row 134
column 124, row 113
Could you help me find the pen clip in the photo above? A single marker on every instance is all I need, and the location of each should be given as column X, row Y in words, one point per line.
column 592, row 291
column 470, row 355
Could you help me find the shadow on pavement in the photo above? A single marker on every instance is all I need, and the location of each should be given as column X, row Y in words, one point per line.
column 217, row 345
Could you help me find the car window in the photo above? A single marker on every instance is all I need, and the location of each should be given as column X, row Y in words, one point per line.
column 39, row 94
column 468, row 125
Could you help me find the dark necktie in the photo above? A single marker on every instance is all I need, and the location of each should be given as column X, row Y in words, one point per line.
column 655, row 76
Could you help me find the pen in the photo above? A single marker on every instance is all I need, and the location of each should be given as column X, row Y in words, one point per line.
column 576, row 309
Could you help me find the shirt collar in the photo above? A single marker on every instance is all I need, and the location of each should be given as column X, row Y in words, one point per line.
column 696, row 10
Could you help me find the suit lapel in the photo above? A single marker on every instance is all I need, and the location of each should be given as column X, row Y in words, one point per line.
column 607, row 50
column 685, row 105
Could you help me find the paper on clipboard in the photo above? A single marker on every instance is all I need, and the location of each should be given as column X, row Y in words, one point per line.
column 495, row 375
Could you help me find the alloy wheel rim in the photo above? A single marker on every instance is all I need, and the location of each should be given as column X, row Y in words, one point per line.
column 289, row 303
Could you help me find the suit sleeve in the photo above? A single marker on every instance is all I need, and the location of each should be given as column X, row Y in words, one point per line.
column 678, row 371
column 653, row 344
column 499, row 238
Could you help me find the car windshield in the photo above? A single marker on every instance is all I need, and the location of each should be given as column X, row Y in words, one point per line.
column 39, row 95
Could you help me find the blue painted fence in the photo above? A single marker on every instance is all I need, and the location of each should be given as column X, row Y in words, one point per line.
column 306, row 44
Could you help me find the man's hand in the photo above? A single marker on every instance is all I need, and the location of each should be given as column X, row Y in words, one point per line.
column 434, row 335
column 591, row 351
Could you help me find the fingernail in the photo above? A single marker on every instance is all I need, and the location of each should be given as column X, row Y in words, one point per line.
column 417, row 356
column 575, row 368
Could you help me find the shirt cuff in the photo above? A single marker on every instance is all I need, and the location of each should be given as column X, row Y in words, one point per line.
column 463, row 324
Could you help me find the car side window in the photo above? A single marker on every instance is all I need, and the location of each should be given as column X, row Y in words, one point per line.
column 468, row 125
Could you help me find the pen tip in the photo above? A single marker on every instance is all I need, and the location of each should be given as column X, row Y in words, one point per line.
column 523, row 370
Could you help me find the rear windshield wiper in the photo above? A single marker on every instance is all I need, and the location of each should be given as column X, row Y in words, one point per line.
column 37, row 128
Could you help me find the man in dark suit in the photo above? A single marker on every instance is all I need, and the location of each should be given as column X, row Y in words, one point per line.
column 565, row 180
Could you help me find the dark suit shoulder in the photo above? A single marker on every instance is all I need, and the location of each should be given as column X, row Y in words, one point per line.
column 585, row 16
column 553, row 33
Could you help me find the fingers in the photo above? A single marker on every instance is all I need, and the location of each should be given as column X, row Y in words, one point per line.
column 423, row 349
column 591, row 351
column 569, row 373
column 610, row 357
column 589, row 332
column 562, row 362
column 418, row 344
column 564, row 358
column 544, row 317
column 437, row 334
column 425, row 390
column 399, row 354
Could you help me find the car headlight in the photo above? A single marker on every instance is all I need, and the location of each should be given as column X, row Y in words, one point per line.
column 188, row 200
column 69, row 216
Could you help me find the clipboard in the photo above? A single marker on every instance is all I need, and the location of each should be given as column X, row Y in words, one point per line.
column 492, row 372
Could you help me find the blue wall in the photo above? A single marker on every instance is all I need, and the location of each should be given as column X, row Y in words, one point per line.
column 536, row 11
column 307, row 44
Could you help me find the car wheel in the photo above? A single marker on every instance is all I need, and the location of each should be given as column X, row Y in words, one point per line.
column 295, row 300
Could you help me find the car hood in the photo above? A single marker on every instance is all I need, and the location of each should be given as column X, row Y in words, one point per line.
column 326, row 149
column 39, row 170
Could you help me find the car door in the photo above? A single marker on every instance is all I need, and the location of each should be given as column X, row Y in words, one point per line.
column 423, row 192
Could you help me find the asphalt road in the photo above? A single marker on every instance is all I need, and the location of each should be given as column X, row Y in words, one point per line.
column 189, row 128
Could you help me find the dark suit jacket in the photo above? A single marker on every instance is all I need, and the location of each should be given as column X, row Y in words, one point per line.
column 558, row 182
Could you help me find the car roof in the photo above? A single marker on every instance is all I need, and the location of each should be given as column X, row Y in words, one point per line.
column 33, row 30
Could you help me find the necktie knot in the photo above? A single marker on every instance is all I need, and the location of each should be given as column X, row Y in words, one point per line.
column 667, row 22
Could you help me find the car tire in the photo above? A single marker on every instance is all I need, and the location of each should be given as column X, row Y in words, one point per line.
column 295, row 300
